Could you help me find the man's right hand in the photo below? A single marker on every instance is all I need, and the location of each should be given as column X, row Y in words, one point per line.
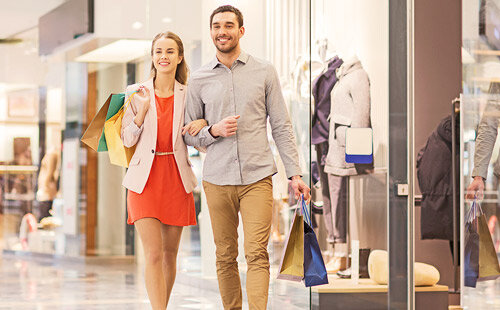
column 475, row 189
column 226, row 127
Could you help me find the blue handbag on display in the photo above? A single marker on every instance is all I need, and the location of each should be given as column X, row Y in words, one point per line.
column 314, row 266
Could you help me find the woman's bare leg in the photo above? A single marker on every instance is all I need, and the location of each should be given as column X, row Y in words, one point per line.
column 150, row 232
column 171, row 236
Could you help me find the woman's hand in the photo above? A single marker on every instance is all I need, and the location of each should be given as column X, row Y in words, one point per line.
column 143, row 99
column 194, row 127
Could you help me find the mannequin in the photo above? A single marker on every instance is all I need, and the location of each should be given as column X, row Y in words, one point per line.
column 350, row 107
column 47, row 182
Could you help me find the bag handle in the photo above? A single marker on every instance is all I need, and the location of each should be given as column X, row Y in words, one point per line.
column 305, row 212
column 129, row 100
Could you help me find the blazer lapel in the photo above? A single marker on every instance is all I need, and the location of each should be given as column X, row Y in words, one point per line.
column 179, row 92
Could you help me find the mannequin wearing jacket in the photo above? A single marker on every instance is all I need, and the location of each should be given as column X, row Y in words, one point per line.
column 350, row 107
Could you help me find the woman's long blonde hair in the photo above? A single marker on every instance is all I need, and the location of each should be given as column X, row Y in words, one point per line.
column 182, row 72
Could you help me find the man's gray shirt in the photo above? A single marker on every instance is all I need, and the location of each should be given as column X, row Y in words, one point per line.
column 251, row 89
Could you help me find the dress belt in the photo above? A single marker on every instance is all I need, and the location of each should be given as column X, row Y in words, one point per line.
column 164, row 153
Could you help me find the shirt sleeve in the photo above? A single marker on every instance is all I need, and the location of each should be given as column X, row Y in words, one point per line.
column 281, row 126
column 195, row 109
column 486, row 138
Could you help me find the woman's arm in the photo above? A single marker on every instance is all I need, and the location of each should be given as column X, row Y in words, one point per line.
column 194, row 127
column 133, row 118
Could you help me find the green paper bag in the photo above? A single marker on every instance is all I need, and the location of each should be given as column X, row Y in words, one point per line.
column 115, row 104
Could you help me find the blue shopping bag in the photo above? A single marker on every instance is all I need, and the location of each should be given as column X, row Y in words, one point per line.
column 314, row 266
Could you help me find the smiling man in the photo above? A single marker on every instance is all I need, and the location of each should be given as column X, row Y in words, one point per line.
column 237, row 93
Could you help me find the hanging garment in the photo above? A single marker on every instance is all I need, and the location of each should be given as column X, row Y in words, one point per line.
column 321, row 150
column 322, row 87
column 338, row 207
column 435, row 180
column 350, row 107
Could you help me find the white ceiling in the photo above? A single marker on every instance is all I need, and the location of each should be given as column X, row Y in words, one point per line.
column 19, row 15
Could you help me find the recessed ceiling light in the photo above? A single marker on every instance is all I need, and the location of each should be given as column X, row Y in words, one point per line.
column 137, row 25
column 166, row 20
column 120, row 51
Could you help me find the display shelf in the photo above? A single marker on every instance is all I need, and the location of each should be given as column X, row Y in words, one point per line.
column 366, row 294
column 17, row 169
column 20, row 197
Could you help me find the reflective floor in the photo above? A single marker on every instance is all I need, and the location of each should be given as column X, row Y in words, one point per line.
column 39, row 284
column 486, row 296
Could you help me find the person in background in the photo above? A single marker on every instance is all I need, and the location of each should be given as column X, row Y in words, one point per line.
column 485, row 142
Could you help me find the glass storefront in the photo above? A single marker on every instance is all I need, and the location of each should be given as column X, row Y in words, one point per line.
column 479, row 104
column 344, row 77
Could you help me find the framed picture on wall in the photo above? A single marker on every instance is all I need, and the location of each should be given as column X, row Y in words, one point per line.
column 22, row 103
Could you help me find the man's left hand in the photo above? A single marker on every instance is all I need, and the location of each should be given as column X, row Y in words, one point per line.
column 300, row 188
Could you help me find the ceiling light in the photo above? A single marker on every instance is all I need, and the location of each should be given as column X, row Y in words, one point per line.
column 137, row 25
column 166, row 20
column 120, row 51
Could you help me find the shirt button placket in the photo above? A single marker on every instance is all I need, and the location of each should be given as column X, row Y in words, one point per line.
column 235, row 148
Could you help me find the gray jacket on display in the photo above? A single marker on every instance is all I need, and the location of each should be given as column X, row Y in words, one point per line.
column 350, row 107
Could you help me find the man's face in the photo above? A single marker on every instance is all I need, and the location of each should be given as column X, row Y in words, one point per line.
column 225, row 31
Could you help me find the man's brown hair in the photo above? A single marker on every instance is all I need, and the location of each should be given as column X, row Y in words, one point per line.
column 228, row 8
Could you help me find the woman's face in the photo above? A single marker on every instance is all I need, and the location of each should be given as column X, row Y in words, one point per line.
column 166, row 56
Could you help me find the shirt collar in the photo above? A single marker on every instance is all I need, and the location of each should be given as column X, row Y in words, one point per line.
column 243, row 58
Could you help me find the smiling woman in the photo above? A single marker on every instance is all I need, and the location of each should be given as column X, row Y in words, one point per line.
column 160, row 180
column 169, row 43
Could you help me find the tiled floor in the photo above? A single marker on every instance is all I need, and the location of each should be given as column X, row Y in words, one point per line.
column 486, row 296
column 39, row 284
column 34, row 284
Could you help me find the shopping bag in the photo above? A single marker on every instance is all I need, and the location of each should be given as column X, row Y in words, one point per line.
column 94, row 132
column 292, row 260
column 118, row 153
column 480, row 258
column 359, row 145
column 115, row 104
column 489, row 268
column 471, row 252
column 314, row 266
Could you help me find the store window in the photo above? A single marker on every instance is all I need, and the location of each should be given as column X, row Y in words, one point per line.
column 479, row 151
column 332, row 58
